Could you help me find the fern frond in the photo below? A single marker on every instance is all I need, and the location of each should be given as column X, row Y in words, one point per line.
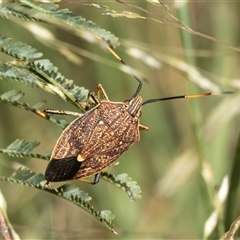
column 49, row 13
column 23, row 148
column 21, row 51
column 69, row 192
column 14, row 72
column 124, row 182
column 38, row 73
column 48, row 81
column 11, row 98
column 60, row 85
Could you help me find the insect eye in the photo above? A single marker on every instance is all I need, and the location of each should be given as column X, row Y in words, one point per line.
column 126, row 104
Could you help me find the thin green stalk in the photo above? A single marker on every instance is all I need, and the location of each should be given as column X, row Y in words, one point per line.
column 232, row 202
column 183, row 15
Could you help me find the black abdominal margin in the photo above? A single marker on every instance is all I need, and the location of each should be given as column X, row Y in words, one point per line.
column 62, row 169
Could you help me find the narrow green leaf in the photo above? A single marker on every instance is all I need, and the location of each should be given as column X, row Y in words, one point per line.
column 232, row 202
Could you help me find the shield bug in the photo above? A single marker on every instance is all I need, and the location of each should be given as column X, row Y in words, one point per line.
column 96, row 139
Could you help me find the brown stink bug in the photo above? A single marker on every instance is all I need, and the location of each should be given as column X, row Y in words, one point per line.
column 96, row 139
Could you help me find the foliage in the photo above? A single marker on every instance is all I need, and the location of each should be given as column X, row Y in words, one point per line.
column 43, row 74
column 188, row 174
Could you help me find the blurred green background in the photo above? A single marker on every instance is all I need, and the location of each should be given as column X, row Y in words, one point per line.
column 179, row 163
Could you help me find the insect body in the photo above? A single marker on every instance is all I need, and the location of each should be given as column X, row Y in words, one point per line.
column 94, row 140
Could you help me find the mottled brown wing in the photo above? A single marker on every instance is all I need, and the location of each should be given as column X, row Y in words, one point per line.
column 72, row 140
column 63, row 164
column 114, row 134
column 96, row 164
column 120, row 121
column 92, row 142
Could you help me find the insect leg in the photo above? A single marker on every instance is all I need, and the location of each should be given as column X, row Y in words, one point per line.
column 95, row 180
column 48, row 186
column 92, row 96
column 143, row 127
column 102, row 91
column 96, row 99
column 88, row 103
column 62, row 112
column 39, row 113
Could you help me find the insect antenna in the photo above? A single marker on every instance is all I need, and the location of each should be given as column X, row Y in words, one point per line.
column 199, row 95
column 122, row 61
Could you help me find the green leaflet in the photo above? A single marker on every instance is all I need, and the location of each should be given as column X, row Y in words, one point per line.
column 124, row 182
column 27, row 67
column 36, row 72
column 69, row 192
column 23, row 148
column 49, row 13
